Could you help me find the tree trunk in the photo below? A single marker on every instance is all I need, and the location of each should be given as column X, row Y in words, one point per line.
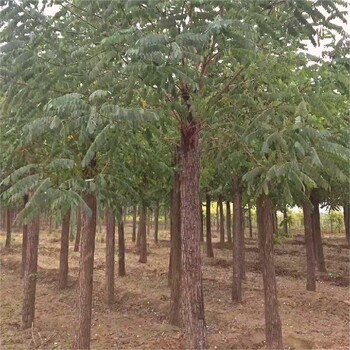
column 30, row 273
column 86, row 268
column 222, row 223
column 110, row 244
column 250, row 221
column 138, row 236
column 8, row 227
column 210, row 252
column 285, row 221
column 175, row 252
column 310, row 254
column 134, row 217
column 64, row 252
column 149, row 216
column 201, row 235
column 156, row 221
column 316, row 232
column 24, row 240
column 77, row 237
column 237, row 229
column 275, row 222
column 165, row 220
column 192, row 288
column 228, row 222
column 217, row 218
column 242, row 241
column 121, row 246
column 346, row 212
column 273, row 326
column 143, row 235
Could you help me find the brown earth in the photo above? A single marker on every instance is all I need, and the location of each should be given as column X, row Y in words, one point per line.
column 138, row 319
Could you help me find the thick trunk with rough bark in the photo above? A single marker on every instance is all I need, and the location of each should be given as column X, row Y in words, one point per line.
column 222, row 223
column 192, row 288
column 30, row 273
column 110, row 243
column 143, row 234
column 228, row 222
column 316, row 232
column 86, row 267
column 310, row 254
column 210, row 252
column 8, row 227
column 24, row 240
column 64, row 252
column 175, row 252
column 134, row 220
column 77, row 236
column 156, row 222
column 346, row 212
column 121, row 246
column 237, row 240
column 273, row 325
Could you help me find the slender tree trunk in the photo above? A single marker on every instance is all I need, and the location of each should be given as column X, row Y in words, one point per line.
column 149, row 221
column 77, row 237
column 50, row 224
column 64, row 252
column 30, row 273
column 165, row 220
column 110, row 244
column 228, row 222
column 346, row 212
column 24, row 240
column 156, row 222
column 250, row 221
column 192, row 288
column 222, row 223
column 143, row 235
column 285, row 221
column 237, row 228
column 275, row 222
column 134, row 219
column 217, row 218
column 310, row 254
column 138, row 236
column 316, row 232
column 201, row 218
column 175, row 251
column 86, row 268
column 210, row 252
column 242, row 240
column 8, row 227
column 273, row 326
column 121, row 246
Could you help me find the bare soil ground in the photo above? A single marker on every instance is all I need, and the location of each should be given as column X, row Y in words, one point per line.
column 138, row 319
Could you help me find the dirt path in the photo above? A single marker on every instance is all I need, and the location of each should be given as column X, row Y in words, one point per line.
column 138, row 319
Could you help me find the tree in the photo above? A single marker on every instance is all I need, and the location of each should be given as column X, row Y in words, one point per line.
column 110, row 243
column 64, row 251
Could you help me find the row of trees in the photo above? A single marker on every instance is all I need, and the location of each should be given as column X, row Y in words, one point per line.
column 139, row 103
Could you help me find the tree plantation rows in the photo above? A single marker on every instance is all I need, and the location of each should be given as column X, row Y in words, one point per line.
column 204, row 116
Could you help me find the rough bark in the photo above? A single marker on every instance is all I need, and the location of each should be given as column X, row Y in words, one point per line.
column 175, row 253
column 192, row 288
column 346, row 213
column 77, row 236
column 237, row 229
column 24, row 240
column 30, row 273
column 273, row 325
column 121, row 246
column 222, row 223
column 250, row 221
column 86, row 267
column 8, row 227
column 110, row 250
column 310, row 254
column 156, row 222
column 143, row 234
column 228, row 222
column 210, row 252
column 134, row 220
column 316, row 232
column 64, row 252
